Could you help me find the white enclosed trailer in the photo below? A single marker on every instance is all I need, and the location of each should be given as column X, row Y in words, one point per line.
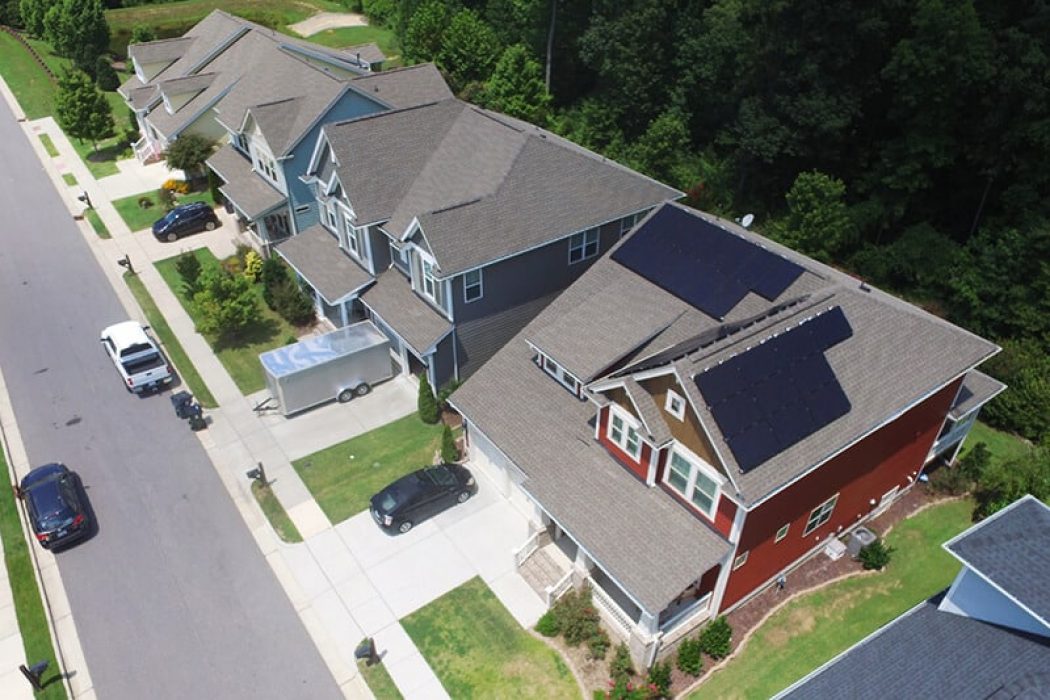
column 339, row 365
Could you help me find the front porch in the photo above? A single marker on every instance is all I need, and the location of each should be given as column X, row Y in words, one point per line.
column 148, row 151
column 260, row 208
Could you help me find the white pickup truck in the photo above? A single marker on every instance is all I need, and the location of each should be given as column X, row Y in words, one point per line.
column 138, row 359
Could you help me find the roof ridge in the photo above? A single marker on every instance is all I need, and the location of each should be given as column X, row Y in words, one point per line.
column 387, row 113
column 389, row 71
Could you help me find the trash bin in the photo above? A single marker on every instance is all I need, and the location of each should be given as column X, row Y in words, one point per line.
column 182, row 402
column 860, row 538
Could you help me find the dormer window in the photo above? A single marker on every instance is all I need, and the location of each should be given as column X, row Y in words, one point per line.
column 623, row 430
column 352, row 243
column 560, row 373
column 675, row 404
column 694, row 480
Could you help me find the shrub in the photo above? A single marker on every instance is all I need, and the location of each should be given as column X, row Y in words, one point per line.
column 233, row 265
column 241, row 251
column 290, row 339
column 689, row 660
column 273, row 273
column 875, row 555
column 252, row 265
column 445, row 392
column 214, row 183
column 623, row 689
column 660, row 678
column 598, row 645
column 949, row 481
column 975, row 462
column 177, row 186
column 166, row 198
column 292, row 303
column 548, row 624
column 621, row 667
column 145, row 202
column 189, row 269
column 716, row 637
column 577, row 617
column 427, row 404
column 449, row 451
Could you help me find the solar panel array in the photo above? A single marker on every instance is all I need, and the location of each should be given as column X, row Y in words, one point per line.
column 775, row 394
column 703, row 265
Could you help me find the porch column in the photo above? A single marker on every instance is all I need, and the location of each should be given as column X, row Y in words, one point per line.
column 644, row 641
column 581, row 568
column 648, row 623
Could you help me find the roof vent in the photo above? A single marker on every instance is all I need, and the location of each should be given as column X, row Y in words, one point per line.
column 864, row 286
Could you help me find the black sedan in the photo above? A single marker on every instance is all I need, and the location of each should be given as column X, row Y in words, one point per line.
column 421, row 495
column 184, row 220
column 56, row 510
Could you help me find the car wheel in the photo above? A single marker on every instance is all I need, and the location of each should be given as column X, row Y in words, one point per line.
column 344, row 395
column 209, row 226
column 463, row 496
column 362, row 389
column 404, row 527
column 171, row 237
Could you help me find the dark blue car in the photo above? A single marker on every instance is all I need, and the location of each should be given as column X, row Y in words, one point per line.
column 421, row 495
column 56, row 509
column 184, row 220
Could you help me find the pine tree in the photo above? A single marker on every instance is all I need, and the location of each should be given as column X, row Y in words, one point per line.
column 427, row 405
column 449, row 451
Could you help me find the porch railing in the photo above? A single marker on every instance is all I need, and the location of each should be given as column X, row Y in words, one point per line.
column 144, row 149
column 700, row 608
column 614, row 614
column 525, row 551
column 558, row 589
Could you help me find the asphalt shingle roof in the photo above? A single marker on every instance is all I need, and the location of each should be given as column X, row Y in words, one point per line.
column 401, row 309
column 160, row 50
column 314, row 253
column 650, row 414
column 404, row 87
column 977, row 389
column 1012, row 550
column 245, row 188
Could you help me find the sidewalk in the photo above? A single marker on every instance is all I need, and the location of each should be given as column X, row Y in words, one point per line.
column 346, row 581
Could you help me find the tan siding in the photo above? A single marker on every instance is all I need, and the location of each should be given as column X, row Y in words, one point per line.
column 688, row 432
column 618, row 396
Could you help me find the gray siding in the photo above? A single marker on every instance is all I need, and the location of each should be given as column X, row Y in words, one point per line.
column 478, row 340
column 444, row 362
column 380, row 246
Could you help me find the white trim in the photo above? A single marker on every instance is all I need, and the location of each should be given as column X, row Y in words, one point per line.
column 707, row 433
column 584, row 243
column 672, row 397
column 740, row 560
column 698, row 466
column 823, row 518
column 320, row 116
column 480, row 285
column 782, row 532
column 559, row 372
column 313, row 164
column 630, row 424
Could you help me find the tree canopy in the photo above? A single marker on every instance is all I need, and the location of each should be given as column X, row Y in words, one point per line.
column 78, row 30
column 188, row 153
column 81, row 109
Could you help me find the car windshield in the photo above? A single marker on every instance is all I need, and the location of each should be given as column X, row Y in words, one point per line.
column 170, row 216
column 50, row 507
column 143, row 363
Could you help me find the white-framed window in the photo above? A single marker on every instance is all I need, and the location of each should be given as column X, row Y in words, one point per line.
column 429, row 282
column 352, row 242
column 675, row 404
column 583, row 245
column 267, row 166
column 330, row 220
column 740, row 560
column 472, row 287
column 820, row 515
column 782, row 532
column 623, row 431
column 627, row 223
column 694, row 482
column 399, row 256
column 561, row 374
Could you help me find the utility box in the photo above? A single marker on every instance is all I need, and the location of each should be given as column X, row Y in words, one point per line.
column 860, row 538
column 339, row 365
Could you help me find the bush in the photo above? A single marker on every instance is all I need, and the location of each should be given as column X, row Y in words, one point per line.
column 145, row 202
column 290, row 339
column 715, row 638
column 449, row 451
column 292, row 303
column 175, row 185
column 548, row 625
column 427, row 404
column 974, row 464
column 189, row 269
column 105, row 77
column 577, row 618
column 252, row 265
column 623, row 689
column 949, row 481
column 689, row 660
column 273, row 273
column 621, row 667
column 214, row 183
column 233, row 265
column 660, row 678
column 875, row 555
column 166, row 198
column 598, row 645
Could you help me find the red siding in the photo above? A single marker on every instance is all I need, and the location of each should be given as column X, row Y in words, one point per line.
column 639, row 468
column 709, row 580
column 724, row 516
column 865, row 471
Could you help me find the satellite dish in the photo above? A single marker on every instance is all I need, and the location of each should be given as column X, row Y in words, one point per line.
column 746, row 220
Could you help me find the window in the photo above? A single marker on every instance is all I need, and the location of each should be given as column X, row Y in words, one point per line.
column 583, row 245
column 472, row 286
column 399, row 256
column 627, row 223
column 352, row 243
column 561, row 374
column 782, row 533
column 623, row 432
column 330, row 219
column 820, row 515
column 675, row 405
column 267, row 166
column 740, row 561
column 688, row 478
column 429, row 283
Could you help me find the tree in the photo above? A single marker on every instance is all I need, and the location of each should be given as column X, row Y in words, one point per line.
column 1005, row 482
column 469, row 49
column 659, row 151
column 1024, row 408
column 225, row 303
column 141, row 34
column 81, row 109
column 818, row 222
column 188, row 153
column 449, row 451
column 425, row 31
column 427, row 404
column 10, row 14
column 77, row 29
column 32, row 13
column 105, row 77
column 516, row 87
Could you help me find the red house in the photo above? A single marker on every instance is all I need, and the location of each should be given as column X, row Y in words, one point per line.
column 703, row 410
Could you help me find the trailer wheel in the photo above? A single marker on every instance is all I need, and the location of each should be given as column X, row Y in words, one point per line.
column 344, row 395
column 362, row 389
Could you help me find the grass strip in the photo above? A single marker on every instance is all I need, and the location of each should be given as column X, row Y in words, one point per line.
column 29, row 608
column 70, row 179
column 275, row 513
column 49, row 145
column 97, row 223
column 172, row 346
column 379, row 681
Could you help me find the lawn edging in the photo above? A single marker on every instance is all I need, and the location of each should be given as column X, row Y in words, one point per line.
column 275, row 513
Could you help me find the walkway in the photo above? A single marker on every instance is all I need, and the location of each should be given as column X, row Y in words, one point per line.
column 346, row 581
column 328, row 20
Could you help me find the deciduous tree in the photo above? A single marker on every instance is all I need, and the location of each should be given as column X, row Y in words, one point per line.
column 516, row 87
column 77, row 29
column 226, row 303
column 81, row 109
column 469, row 49
column 425, row 31
column 188, row 153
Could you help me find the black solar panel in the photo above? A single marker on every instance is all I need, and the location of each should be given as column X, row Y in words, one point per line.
column 702, row 264
column 777, row 393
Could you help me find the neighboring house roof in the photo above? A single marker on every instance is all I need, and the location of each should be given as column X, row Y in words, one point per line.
column 191, row 83
column 927, row 653
column 482, row 185
column 160, row 50
column 368, row 53
column 404, row 87
column 1011, row 550
column 401, row 309
column 330, row 271
column 977, row 389
column 249, row 192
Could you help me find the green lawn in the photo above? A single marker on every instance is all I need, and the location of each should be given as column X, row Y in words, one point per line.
column 379, row 681
column 477, row 650
column 29, row 611
column 187, row 372
column 1002, row 445
column 138, row 218
column 355, row 36
column 275, row 513
column 49, row 145
column 812, row 629
column 31, row 86
column 343, row 477
column 239, row 355
column 96, row 223
column 70, row 179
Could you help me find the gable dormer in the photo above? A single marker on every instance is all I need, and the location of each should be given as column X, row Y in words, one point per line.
column 179, row 91
column 152, row 57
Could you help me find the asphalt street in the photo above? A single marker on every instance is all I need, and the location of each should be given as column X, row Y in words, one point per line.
column 171, row 598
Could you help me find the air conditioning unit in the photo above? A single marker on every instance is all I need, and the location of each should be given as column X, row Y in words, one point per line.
column 860, row 538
